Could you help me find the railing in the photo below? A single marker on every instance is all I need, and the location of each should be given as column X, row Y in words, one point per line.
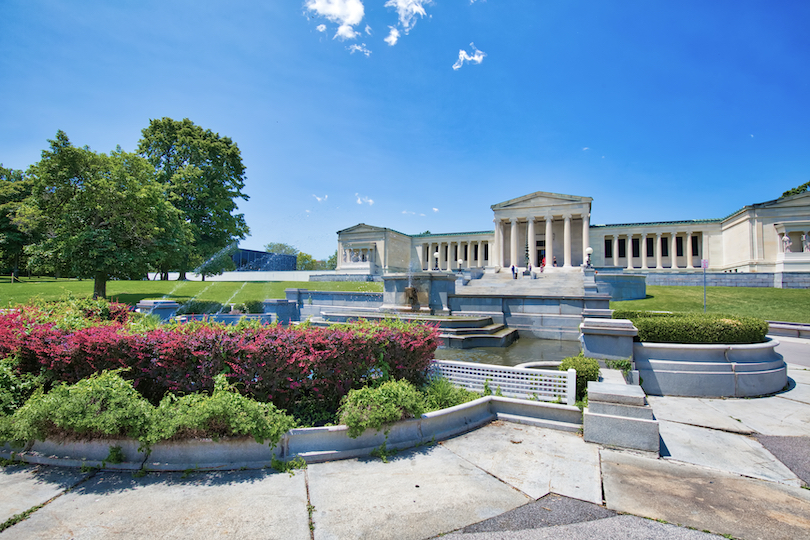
column 522, row 383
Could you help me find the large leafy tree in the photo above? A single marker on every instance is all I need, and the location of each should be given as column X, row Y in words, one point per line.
column 15, row 187
column 204, row 175
column 281, row 249
column 101, row 216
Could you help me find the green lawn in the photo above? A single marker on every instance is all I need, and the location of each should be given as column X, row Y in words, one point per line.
column 132, row 292
column 790, row 305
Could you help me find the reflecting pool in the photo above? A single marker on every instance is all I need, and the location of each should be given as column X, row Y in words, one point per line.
column 525, row 349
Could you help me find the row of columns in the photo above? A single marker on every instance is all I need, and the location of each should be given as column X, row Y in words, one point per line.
column 659, row 239
column 531, row 235
column 445, row 260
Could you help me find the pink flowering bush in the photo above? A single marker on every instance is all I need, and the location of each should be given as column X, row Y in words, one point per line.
column 281, row 365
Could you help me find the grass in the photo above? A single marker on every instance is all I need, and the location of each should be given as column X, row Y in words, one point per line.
column 131, row 292
column 788, row 305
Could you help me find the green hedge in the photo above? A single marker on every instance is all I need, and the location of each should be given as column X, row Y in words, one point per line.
column 587, row 370
column 703, row 328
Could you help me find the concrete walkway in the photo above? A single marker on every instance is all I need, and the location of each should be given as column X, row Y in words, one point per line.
column 729, row 467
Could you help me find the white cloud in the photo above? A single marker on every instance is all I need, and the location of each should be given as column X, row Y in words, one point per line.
column 346, row 13
column 393, row 36
column 586, row 148
column 423, row 215
column 359, row 48
column 321, row 28
column 435, row 209
column 361, row 200
column 319, row 199
column 407, row 10
column 477, row 57
column 752, row 136
column 368, row 30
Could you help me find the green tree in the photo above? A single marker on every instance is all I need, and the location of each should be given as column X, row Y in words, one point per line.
column 281, row 249
column 204, row 175
column 15, row 187
column 221, row 262
column 797, row 190
column 103, row 216
column 304, row 261
column 331, row 262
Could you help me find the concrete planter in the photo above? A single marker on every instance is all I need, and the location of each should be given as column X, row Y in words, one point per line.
column 674, row 369
column 313, row 444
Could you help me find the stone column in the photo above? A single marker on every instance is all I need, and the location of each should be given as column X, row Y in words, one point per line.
column 513, row 243
column 452, row 257
column 673, row 252
column 689, row 250
column 530, row 239
column 586, row 237
column 549, row 242
column 469, row 253
column 643, row 251
column 480, row 259
column 658, row 260
column 498, row 254
column 615, row 250
column 628, row 250
column 441, row 256
column 567, row 241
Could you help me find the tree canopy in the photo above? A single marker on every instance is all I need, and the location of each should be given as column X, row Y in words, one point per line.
column 203, row 174
column 15, row 187
column 797, row 190
column 102, row 216
column 281, row 249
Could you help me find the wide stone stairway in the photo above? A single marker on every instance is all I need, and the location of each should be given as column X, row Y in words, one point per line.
column 551, row 284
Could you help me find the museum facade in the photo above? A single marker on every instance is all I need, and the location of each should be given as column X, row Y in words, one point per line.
column 555, row 229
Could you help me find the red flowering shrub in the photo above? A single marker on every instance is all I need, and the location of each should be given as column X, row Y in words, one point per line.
column 270, row 363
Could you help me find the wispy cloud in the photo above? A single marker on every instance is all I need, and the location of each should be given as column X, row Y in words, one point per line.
column 435, row 209
column 361, row 200
column 476, row 58
column 407, row 11
column 368, row 30
column 320, row 199
column 321, row 28
column 359, row 48
column 346, row 13
column 393, row 36
column 586, row 148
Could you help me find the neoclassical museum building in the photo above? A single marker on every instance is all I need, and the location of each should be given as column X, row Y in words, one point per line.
column 769, row 237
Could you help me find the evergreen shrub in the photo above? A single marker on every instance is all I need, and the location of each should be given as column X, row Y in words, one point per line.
column 587, row 370
column 697, row 328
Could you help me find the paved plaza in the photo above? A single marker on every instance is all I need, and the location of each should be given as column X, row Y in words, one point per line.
column 733, row 467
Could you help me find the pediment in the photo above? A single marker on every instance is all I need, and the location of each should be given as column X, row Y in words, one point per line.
column 542, row 199
column 800, row 200
column 362, row 228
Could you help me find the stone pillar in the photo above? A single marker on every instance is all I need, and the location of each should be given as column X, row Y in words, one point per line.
column 452, row 257
column 469, row 253
column 480, row 259
column 513, row 243
column 442, row 258
column 530, row 239
column 658, row 260
column 586, row 237
column 689, row 250
column 673, row 252
column 643, row 251
column 615, row 250
column 567, row 242
column 498, row 254
column 549, row 242
column 628, row 250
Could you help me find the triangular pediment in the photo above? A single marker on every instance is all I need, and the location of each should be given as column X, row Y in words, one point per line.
column 361, row 228
column 801, row 200
column 540, row 199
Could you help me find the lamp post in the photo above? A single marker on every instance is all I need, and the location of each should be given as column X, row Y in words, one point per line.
column 588, row 252
column 460, row 262
column 436, row 257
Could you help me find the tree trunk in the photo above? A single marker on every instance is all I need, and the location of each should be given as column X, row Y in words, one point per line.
column 203, row 277
column 100, row 286
column 182, row 276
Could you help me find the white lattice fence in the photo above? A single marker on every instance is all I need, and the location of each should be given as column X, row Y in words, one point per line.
column 544, row 385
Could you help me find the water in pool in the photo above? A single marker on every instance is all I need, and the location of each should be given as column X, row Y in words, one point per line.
column 523, row 350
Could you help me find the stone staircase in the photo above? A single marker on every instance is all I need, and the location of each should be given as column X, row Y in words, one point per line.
column 549, row 284
column 456, row 332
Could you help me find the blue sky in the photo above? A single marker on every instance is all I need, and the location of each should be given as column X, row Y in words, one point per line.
column 659, row 110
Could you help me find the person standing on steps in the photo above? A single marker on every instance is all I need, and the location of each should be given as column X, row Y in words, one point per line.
column 514, row 272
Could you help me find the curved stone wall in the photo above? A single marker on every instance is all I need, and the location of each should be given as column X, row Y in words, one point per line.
column 674, row 369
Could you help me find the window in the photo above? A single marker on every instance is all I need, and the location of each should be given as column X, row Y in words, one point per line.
column 486, row 252
column 679, row 246
column 695, row 250
column 665, row 247
column 608, row 248
column 636, row 242
column 650, row 247
column 622, row 247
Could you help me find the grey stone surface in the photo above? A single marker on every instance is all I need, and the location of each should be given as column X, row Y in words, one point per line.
column 620, row 431
column 239, row 504
column 616, row 393
column 792, row 451
column 25, row 486
column 540, row 460
column 695, row 412
column 419, row 493
column 724, row 451
column 705, row 499
column 617, row 409
column 769, row 415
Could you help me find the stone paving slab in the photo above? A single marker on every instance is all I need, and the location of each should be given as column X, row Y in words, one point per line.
column 541, row 461
column 799, row 391
column 24, row 486
column 238, row 504
column 705, row 499
column 694, row 411
column 417, row 494
column 619, row 527
column 724, row 451
column 800, row 374
column 768, row 416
